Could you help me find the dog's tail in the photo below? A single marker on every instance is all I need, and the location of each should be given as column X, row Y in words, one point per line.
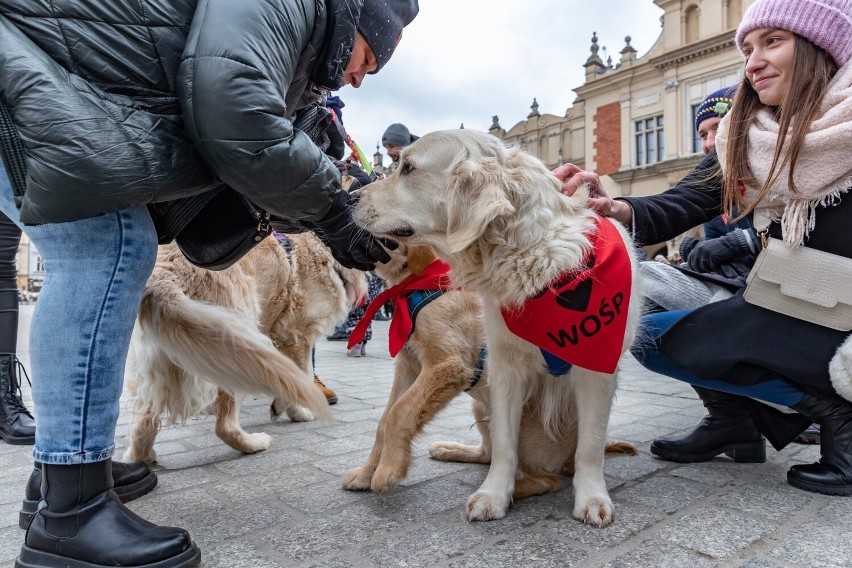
column 224, row 347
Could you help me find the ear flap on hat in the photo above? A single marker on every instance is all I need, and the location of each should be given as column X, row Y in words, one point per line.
column 476, row 198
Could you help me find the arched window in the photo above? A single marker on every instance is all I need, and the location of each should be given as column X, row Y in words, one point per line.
column 691, row 24
column 734, row 14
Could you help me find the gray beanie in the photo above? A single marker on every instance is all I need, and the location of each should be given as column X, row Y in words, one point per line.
column 381, row 24
column 398, row 135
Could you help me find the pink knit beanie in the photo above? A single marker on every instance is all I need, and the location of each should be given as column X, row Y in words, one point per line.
column 826, row 23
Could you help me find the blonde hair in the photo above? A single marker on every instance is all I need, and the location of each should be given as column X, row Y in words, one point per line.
column 814, row 70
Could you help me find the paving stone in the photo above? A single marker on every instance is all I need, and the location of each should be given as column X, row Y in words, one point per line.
column 818, row 546
column 718, row 471
column 331, row 532
column 629, row 521
column 664, row 493
column 285, row 508
column 430, row 544
column 716, row 532
column 766, row 500
column 11, row 540
column 524, row 548
column 633, row 467
column 761, row 563
column 657, row 554
column 238, row 554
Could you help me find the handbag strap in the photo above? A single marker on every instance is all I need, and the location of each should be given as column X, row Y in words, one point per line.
column 760, row 221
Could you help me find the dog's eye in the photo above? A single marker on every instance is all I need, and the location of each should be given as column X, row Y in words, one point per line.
column 407, row 168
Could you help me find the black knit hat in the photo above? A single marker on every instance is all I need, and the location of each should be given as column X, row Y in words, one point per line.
column 381, row 24
column 398, row 135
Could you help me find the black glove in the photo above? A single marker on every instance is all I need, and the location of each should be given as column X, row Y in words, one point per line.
column 710, row 255
column 350, row 245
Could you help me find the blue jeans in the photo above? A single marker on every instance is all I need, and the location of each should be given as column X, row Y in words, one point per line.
column 96, row 270
column 648, row 353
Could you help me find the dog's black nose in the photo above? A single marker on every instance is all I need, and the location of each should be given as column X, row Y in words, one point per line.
column 403, row 232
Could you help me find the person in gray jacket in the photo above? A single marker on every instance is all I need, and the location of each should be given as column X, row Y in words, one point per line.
column 108, row 108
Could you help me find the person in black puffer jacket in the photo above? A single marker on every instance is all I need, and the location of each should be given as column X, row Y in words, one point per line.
column 112, row 113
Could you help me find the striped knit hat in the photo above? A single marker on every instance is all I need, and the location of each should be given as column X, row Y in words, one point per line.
column 716, row 104
column 825, row 23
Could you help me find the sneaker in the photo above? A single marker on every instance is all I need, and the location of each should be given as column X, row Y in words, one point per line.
column 330, row 395
column 338, row 335
column 356, row 351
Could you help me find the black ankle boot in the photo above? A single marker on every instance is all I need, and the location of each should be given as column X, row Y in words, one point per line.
column 832, row 474
column 81, row 523
column 129, row 481
column 16, row 423
column 727, row 429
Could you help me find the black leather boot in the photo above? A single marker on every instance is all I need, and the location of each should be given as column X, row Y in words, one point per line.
column 129, row 481
column 832, row 474
column 81, row 523
column 727, row 429
column 16, row 423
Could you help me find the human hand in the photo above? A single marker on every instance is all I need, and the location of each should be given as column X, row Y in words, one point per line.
column 599, row 201
column 710, row 255
column 350, row 245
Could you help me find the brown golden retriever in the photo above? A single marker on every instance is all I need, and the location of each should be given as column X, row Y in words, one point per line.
column 205, row 339
column 438, row 363
column 497, row 216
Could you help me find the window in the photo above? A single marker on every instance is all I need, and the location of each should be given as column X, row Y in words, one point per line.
column 697, row 146
column 650, row 146
column 691, row 24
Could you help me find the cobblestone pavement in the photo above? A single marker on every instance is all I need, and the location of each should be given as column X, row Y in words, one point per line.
column 285, row 507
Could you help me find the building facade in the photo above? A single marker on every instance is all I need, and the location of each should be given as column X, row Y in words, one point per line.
column 633, row 121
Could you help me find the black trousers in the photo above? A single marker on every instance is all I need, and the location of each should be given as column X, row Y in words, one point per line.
column 10, row 237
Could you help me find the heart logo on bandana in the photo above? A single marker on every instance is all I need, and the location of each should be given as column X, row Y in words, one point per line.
column 578, row 298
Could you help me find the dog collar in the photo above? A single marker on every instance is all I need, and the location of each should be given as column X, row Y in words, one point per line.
column 581, row 317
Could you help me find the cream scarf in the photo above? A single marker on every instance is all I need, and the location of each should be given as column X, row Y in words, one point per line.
column 823, row 172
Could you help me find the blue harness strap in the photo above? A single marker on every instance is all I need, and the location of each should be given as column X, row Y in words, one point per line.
column 419, row 299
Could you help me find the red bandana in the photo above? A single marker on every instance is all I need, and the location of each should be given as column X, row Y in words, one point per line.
column 435, row 277
column 581, row 317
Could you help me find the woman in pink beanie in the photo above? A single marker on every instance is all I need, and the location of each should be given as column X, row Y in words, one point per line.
column 782, row 158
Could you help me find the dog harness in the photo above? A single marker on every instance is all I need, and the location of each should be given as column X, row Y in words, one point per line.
column 580, row 319
column 434, row 279
column 412, row 301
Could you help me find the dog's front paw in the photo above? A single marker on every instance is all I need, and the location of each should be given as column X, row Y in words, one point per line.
column 595, row 510
column 356, row 479
column 386, row 477
column 484, row 506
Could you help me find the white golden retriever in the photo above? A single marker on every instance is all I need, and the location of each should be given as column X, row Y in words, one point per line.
column 497, row 216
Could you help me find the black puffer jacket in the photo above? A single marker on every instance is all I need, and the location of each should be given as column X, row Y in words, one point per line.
column 120, row 103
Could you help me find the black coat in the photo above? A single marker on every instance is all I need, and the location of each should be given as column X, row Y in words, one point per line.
column 120, row 103
column 733, row 340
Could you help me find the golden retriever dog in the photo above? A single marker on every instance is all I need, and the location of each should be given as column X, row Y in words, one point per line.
column 438, row 363
column 204, row 339
column 497, row 216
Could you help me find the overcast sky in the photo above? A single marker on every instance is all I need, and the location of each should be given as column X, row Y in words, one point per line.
column 463, row 61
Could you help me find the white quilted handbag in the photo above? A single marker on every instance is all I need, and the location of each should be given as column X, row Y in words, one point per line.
column 803, row 283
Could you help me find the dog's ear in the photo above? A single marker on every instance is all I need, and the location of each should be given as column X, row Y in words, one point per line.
column 419, row 257
column 477, row 196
